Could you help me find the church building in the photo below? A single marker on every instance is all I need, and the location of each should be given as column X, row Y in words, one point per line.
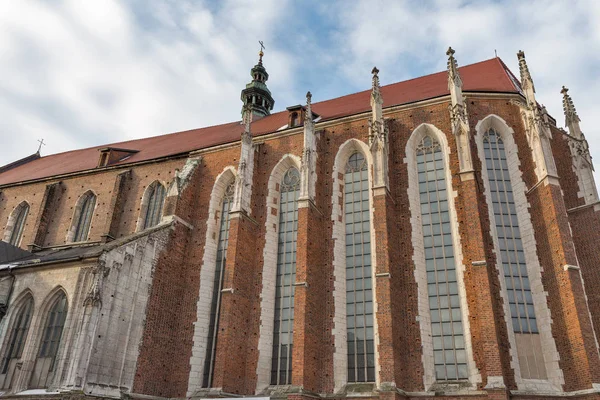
column 438, row 237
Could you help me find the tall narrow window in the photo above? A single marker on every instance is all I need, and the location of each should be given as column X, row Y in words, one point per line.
column 16, row 341
column 512, row 257
column 359, row 292
column 45, row 363
column 450, row 359
column 19, row 223
column 281, row 367
column 213, row 327
column 82, row 229
column 156, row 200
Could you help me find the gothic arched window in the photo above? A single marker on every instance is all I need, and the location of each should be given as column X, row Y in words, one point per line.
column 84, row 217
column 17, row 220
column 512, row 255
column 16, row 342
column 155, row 202
column 512, row 258
column 213, row 327
column 359, row 285
column 449, row 353
column 281, row 366
column 51, row 335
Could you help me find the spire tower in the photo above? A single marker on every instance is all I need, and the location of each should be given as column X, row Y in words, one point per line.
column 256, row 96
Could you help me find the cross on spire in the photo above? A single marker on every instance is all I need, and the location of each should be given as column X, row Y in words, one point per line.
column 261, row 53
column 41, row 142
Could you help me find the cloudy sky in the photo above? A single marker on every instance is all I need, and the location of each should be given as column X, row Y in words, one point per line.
column 84, row 73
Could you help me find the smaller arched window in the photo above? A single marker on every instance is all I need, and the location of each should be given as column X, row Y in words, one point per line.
column 17, row 220
column 51, row 335
column 86, row 210
column 16, row 341
column 156, row 200
column 215, row 307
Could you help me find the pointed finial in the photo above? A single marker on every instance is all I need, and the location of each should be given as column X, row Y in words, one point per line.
column 375, row 71
column 376, row 97
column 308, row 118
column 524, row 70
column 569, row 109
column 376, row 93
column 452, row 65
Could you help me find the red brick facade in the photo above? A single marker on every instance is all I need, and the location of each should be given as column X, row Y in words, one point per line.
column 565, row 235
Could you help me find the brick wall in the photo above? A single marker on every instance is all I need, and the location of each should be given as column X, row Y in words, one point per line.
column 58, row 219
column 165, row 358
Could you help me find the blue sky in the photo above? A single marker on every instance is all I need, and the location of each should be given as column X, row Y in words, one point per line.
column 81, row 73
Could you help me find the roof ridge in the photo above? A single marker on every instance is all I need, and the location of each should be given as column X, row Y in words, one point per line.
column 489, row 75
column 19, row 162
column 266, row 117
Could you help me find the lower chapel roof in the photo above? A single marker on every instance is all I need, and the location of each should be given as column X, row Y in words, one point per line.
column 486, row 76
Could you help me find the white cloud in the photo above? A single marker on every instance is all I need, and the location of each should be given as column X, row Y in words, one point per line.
column 98, row 72
column 406, row 39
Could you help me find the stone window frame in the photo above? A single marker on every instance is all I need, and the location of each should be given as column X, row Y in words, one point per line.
column 415, row 138
column 339, row 331
column 13, row 219
column 207, row 274
column 77, row 215
column 38, row 335
column 140, row 224
column 555, row 378
column 267, row 296
column 20, row 300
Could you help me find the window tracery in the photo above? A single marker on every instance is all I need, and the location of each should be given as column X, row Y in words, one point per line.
column 450, row 358
column 18, row 223
column 86, row 210
column 281, row 367
column 359, row 285
column 51, row 336
column 16, row 341
column 156, row 200
column 221, row 259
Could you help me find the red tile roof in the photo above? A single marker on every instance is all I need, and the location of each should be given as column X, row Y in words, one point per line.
column 486, row 76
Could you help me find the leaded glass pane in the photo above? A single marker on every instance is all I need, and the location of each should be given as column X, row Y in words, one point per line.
column 54, row 328
column 359, row 292
column 18, row 334
column 85, row 218
column 512, row 254
column 156, row 201
column 15, row 236
column 442, row 287
column 213, row 327
column 281, row 367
